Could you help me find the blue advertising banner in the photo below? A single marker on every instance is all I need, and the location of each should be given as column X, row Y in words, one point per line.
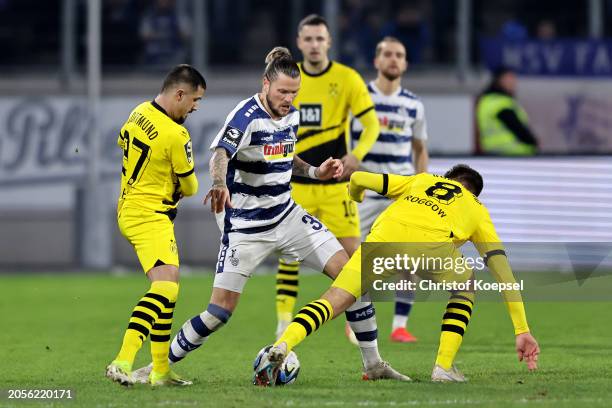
column 566, row 57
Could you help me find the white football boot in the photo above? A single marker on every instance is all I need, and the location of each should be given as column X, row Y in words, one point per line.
column 141, row 376
column 441, row 375
column 383, row 371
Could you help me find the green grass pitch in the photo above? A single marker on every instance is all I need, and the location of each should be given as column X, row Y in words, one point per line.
column 60, row 331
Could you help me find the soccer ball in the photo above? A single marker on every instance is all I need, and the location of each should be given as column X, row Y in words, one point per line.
column 288, row 371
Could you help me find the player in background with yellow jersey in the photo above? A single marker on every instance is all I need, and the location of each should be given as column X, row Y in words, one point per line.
column 157, row 171
column 440, row 214
column 329, row 94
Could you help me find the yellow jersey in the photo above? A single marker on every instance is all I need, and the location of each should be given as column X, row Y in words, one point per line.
column 445, row 211
column 439, row 205
column 324, row 102
column 157, row 152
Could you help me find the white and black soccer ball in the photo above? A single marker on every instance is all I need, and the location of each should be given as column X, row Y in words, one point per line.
column 288, row 371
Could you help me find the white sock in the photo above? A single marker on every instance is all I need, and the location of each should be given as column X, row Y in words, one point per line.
column 362, row 319
column 370, row 356
column 399, row 321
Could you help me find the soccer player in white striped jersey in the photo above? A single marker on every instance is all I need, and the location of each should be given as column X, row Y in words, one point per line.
column 401, row 148
column 251, row 168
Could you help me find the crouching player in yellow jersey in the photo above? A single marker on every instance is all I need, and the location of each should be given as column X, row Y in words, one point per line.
column 157, row 171
column 410, row 219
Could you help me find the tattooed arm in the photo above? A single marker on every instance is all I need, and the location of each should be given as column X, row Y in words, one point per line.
column 300, row 167
column 330, row 168
column 218, row 194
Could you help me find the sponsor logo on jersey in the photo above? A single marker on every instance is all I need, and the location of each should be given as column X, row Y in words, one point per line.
column 311, row 114
column 232, row 136
column 278, row 150
column 392, row 125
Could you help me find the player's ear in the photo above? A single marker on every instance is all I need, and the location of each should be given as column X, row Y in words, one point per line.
column 266, row 85
column 179, row 94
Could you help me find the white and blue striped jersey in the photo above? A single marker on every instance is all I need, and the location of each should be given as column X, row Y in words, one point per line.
column 259, row 171
column 402, row 118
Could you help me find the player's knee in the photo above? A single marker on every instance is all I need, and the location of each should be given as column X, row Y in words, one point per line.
column 225, row 299
column 350, row 244
column 163, row 272
column 335, row 264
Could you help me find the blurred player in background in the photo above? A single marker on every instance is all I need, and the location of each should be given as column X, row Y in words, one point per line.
column 157, row 171
column 330, row 92
column 438, row 214
column 253, row 161
column 503, row 125
column 401, row 148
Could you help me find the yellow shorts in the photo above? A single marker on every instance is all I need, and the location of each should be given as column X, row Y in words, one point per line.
column 417, row 245
column 331, row 204
column 152, row 236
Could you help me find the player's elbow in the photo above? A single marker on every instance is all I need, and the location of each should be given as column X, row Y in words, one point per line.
column 356, row 176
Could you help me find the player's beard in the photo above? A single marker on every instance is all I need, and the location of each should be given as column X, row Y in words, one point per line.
column 274, row 111
column 390, row 76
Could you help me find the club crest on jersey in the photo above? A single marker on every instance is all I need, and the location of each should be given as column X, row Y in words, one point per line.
column 333, row 89
column 280, row 150
column 232, row 136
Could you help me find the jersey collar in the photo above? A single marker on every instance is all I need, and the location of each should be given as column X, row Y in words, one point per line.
column 162, row 110
column 378, row 91
column 320, row 73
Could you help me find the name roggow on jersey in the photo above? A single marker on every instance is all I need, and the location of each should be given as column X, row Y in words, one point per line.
column 259, row 171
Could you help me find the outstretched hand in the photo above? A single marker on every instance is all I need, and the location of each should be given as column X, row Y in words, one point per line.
column 528, row 350
column 219, row 199
column 351, row 165
column 330, row 168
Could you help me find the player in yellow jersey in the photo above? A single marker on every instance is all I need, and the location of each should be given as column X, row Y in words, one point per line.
column 440, row 214
column 330, row 93
column 158, row 170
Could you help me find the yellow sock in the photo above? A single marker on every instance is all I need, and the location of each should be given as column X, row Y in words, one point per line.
column 454, row 324
column 143, row 316
column 160, row 332
column 307, row 320
column 286, row 289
